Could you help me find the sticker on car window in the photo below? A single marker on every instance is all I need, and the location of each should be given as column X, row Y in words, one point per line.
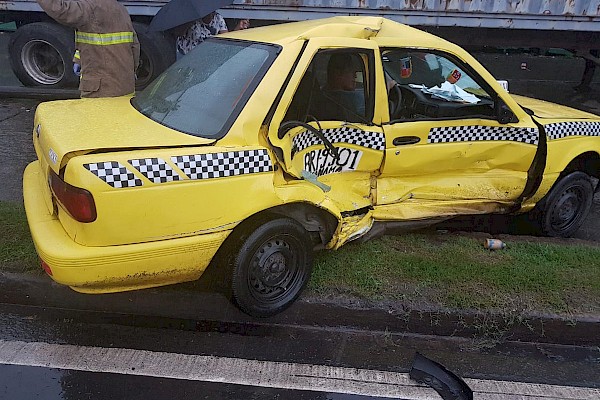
column 322, row 162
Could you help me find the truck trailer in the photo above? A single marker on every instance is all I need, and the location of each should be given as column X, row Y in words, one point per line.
column 41, row 50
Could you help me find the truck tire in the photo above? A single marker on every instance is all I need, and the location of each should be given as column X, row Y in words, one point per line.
column 566, row 206
column 157, row 53
column 41, row 54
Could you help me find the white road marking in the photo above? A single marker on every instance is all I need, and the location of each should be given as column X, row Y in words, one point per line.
column 281, row 375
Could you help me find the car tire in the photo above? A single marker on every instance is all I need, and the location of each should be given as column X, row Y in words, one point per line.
column 272, row 267
column 565, row 207
column 41, row 55
column 157, row 53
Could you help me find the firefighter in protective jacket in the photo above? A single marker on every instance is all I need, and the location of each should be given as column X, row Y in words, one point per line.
column 107, row 43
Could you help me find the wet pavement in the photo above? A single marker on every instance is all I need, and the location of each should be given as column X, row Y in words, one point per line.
column 55, row 384
column 16, row 148
column 184, row 325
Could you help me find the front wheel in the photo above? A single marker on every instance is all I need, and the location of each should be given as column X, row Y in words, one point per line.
column 566, row 206
column 272, row 267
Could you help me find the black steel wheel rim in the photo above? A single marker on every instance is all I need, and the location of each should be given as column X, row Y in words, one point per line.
column 275, row 271
column 568, row 208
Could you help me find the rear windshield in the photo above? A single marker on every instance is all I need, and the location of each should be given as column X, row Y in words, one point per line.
column 203, row 92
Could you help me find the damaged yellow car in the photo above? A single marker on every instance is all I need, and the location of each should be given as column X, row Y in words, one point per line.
column 265, row 144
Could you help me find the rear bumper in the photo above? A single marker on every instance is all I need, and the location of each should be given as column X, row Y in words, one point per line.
column 111, row 268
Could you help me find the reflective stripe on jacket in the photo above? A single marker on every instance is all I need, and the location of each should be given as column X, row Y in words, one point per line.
column 107, row 44
column 104, row 39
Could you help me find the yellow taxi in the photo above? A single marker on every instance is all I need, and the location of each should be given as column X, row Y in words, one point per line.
column 263, row 145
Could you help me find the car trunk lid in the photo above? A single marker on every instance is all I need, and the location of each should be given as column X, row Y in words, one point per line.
column 71, row 127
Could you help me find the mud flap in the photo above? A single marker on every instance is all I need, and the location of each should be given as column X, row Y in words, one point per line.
column 447, row 384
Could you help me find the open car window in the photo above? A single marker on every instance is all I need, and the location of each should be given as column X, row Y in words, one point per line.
column 428, row 69
column 432, row 85
column 334, row 88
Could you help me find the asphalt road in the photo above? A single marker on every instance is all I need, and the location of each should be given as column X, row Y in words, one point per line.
column 16, row 149
column 172, row 344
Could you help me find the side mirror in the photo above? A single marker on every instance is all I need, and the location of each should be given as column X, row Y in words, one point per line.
column 504, row 114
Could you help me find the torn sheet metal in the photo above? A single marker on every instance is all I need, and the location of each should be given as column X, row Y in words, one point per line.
column 351, row 228
column 421, row 210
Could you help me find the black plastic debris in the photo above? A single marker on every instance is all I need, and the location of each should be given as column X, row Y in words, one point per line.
column 447, row 384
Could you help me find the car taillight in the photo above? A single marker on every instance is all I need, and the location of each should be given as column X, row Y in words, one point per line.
column 46, row 267
column 78, row 202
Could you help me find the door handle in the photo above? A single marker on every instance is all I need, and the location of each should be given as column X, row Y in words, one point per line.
column 403, row 140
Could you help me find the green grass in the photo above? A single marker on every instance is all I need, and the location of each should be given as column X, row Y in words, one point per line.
column 17, row 253
column 457, row 272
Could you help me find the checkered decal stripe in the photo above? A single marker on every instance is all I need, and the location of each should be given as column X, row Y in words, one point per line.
column 114, row 173
column 155, row 169
column 345, row 134
column 564, row 129
column 474, row 133
column 220, row 165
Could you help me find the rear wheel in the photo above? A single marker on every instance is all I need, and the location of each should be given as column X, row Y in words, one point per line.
column 41, row 54
column 566, row 206
column 272, row 267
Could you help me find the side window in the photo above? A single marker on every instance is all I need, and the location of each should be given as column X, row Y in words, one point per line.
column 335, row 87
column 426, row 85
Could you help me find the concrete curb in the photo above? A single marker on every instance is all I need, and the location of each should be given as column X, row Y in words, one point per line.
column 178, row 306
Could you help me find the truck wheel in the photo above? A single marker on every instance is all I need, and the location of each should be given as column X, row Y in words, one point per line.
column 41, row 54
column 272, row 267
column 157, row 53
column 566, row 206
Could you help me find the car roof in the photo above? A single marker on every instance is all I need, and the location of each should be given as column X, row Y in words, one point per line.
column 342, row 26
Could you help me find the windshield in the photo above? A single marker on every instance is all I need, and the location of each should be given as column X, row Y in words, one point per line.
column 203, row 93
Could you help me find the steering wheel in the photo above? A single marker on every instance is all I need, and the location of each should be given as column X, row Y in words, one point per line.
column 286, row 126
column 395, row 101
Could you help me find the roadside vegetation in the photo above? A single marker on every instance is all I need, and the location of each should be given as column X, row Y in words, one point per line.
column 17, row 252
column 429, row 271
column 425, row 271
